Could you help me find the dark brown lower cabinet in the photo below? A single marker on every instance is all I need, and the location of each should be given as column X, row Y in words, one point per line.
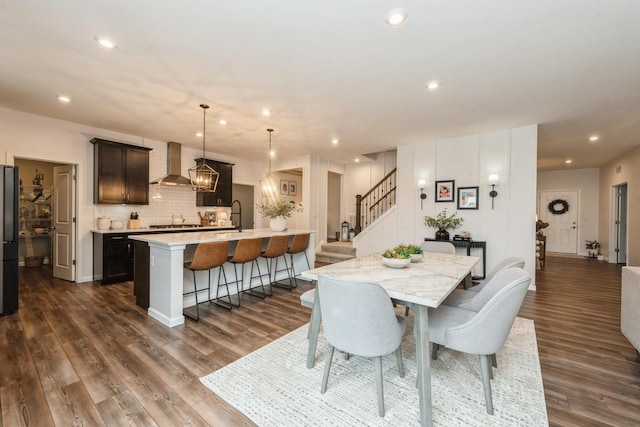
column 117, row 258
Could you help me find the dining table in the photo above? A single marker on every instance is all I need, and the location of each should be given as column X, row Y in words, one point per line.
column 422, row 285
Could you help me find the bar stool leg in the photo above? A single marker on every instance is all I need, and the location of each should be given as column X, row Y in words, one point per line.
column 251, row 291
column 274, row 282
column 195, row 292
column 218, row 299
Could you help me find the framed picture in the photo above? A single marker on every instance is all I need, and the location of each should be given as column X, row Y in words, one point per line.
column 467, row 197
column 445, row 191
column 284, row 187
column 293, row 188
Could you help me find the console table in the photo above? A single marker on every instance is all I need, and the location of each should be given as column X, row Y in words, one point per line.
column 470, row 244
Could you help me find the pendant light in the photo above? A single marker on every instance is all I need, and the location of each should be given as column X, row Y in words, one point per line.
column 268, row 184
column 203, row 177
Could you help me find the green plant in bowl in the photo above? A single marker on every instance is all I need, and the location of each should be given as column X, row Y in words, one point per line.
column 397, row 257
column 416, row 252
column 414, row 249
column 397, row 252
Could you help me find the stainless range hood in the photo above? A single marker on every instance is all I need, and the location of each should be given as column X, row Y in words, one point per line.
column 174, row 161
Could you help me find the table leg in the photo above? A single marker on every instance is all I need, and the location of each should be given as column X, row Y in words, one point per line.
column 314, row 329
column 423, row 360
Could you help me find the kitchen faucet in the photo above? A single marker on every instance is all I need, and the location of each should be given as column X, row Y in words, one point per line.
column 239, row 213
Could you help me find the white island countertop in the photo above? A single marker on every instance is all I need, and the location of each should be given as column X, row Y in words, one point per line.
column 195, row 237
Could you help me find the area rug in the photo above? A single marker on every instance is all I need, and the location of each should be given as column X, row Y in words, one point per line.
column 272, row 386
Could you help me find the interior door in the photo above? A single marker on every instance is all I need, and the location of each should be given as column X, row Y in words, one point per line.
column 64, row 225
column 620, row 223
column 562, row 233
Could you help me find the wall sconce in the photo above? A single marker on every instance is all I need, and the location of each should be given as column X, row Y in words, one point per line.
column 493, row 181
column 421, row 184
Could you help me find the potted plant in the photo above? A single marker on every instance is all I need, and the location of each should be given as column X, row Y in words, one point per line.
column 397, row 257
column 443, row 222
column 416, row 252
column 593, row 248
column 278, row 212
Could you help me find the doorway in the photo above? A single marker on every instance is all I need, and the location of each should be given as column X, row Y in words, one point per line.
column 618, row 249
column 560, row 208
column 333, row 206
column 45, row 201
column 243, row 194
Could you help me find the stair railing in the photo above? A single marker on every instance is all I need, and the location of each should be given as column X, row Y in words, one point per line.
column 376, row 201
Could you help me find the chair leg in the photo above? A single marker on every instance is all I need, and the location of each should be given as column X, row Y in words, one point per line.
column 275, row 270
column 327, row 367
column 406, row 311
column 228, row 304
column 434, row 351
column 314, row 331
column 399, row 361
column 379, row 388
column 485, row 366
column 195, row 292
column 251, row 291
column 494, row 361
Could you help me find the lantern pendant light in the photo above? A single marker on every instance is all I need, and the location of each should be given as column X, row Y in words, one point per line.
column 268, row 184
column 203, row 177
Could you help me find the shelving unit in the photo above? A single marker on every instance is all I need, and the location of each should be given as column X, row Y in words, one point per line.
column 35, row 213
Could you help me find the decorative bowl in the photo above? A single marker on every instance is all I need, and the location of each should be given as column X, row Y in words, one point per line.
column 416, row 257
column 117, row 225
column 396, row 262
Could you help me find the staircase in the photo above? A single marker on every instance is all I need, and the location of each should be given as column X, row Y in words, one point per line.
column 333, row 252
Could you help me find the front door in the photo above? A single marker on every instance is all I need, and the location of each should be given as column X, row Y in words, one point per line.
column 64, row 229
column 562, row 233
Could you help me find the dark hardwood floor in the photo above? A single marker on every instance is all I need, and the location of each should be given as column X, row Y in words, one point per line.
column 84, row 354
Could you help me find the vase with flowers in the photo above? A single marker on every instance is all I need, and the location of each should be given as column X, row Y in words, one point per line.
column 443, row 222
column 278, row 212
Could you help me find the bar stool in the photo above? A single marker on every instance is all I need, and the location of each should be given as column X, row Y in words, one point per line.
column 247, row 250
column 299, row 243
column 207, row 257
column 276, row 248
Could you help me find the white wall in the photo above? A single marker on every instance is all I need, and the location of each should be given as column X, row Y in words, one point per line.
column 587, row 182
column 40, row 138
column 508, row 229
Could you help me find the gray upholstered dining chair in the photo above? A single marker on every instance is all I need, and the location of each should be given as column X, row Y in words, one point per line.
column 438, row 247
column 358, row 318
column 485, row 331
column 462, row 297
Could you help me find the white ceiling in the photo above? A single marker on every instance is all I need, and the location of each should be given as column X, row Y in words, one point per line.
column 332, row 69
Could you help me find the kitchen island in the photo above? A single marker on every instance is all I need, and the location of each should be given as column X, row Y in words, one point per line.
column 168, row 280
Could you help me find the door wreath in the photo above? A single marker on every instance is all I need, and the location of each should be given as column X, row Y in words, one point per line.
column 558, row 207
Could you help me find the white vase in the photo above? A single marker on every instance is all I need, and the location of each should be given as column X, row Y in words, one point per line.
column 278, row 223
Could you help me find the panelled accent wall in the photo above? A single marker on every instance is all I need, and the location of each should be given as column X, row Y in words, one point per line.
column 508, row 228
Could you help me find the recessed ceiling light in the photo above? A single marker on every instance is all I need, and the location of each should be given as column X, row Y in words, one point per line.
column 396, row 16
column 594, row 138
column 199, row 134
column 266, row 112
column 568, row 161
column 222, row 121
column 105, row 42
column 433, row 85
column 63, row 98
column 334, row 141
column 357, row 160
column 272, row 153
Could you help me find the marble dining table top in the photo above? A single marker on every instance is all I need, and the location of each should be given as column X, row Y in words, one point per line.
column 426, row 282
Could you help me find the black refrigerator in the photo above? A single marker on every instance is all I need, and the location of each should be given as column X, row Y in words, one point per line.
column 9, row 270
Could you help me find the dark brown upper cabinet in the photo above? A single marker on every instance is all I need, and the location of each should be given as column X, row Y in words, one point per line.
column 222, row 195
column 120, row 173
